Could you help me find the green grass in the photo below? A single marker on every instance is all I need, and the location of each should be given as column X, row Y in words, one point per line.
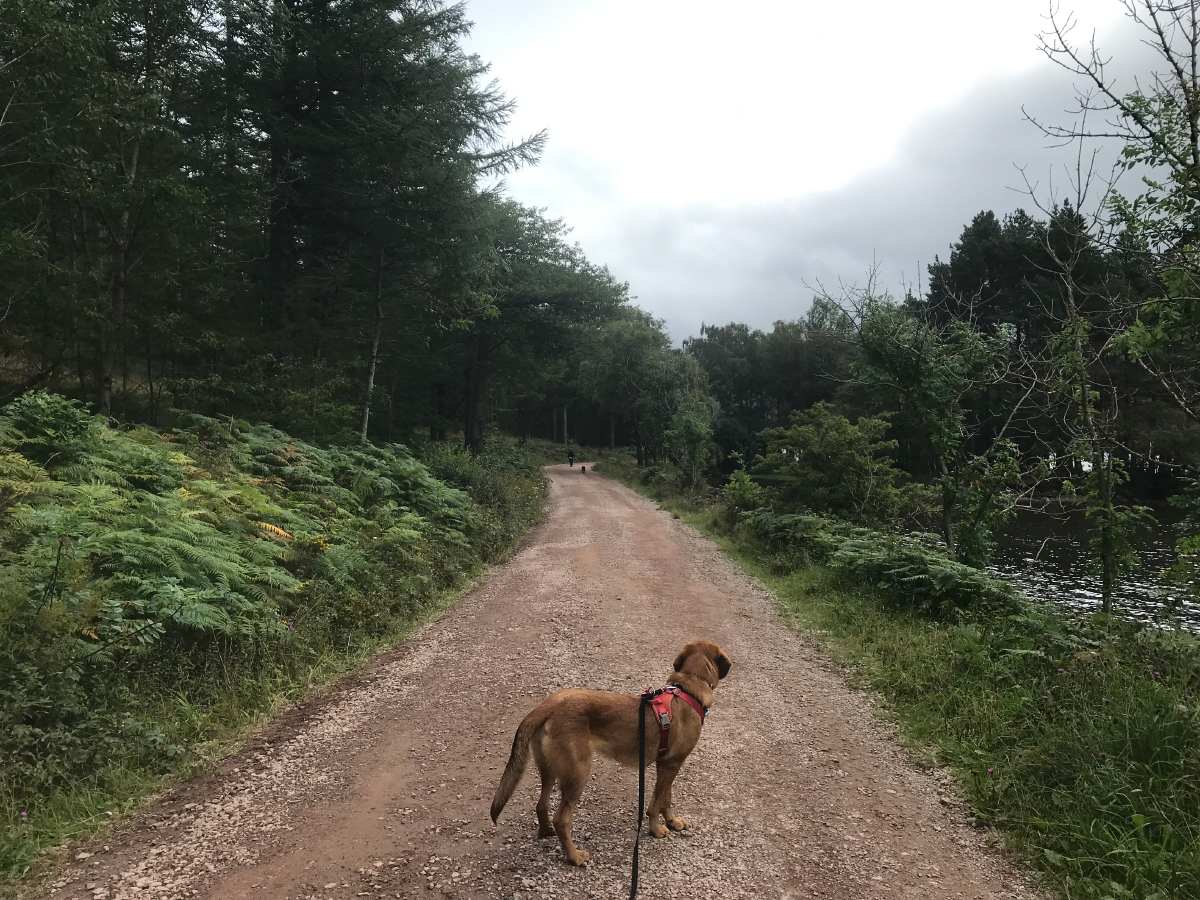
column 162, row 593
column 210, row 725
column 1078, row 739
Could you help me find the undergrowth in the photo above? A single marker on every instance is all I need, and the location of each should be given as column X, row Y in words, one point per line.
column 161, row 591
column 1078, row 738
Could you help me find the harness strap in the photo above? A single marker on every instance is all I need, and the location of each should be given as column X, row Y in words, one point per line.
column 659, row 702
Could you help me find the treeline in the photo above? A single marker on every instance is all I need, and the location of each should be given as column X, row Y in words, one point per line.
column 264, row 306
column 1053, row 356
column 284, row 212
column 1029, row 369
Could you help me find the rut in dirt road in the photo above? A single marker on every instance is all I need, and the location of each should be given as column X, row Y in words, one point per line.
column 382, row 789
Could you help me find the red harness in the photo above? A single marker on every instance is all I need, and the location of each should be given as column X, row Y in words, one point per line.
column 660, row 702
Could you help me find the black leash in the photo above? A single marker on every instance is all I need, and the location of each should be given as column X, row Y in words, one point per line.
column 637, row 841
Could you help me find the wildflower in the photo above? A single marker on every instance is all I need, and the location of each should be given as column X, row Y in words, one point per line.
column 1157, row 675
column 1105, row 699
column 1051, row 752
column 991, row 770
column 1045, row 696
column 1062, row 670
column 23, row 815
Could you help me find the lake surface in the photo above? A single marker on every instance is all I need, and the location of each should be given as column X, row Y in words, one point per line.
column 1047, row 557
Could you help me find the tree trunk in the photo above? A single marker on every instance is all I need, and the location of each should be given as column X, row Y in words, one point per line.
column 476, row 419
column 554, row 423
column 104, row 370
column 362, row 435
column 947, row 504
column 437, row 417
column 112, row 324
column 1101, row 465
column 612, row 432
column 1108, row 548
column 150, row 376
column 566, row 440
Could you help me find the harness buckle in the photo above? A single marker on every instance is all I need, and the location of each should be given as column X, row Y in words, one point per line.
column 664, row 719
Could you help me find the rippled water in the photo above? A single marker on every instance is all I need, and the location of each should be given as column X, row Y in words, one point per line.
column 1048, row 559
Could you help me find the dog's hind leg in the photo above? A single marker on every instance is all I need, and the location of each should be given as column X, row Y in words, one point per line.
column 545, row 829
column 571, row 785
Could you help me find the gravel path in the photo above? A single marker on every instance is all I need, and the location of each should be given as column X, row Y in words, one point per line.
column 381, row 788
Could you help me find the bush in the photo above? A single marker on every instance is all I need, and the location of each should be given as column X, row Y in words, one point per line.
column 914, row 573
column 824, row 463
column 203, row 570
column 741, row 494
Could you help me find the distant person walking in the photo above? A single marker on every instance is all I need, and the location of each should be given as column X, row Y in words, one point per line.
column 571, row 458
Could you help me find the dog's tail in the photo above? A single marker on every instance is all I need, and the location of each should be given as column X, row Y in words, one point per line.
column 517, row 760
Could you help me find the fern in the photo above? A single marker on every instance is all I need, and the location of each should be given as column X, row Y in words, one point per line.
column 133, row 558
column 912, row 572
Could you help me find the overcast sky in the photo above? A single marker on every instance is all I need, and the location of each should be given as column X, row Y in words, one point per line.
column 719, row 157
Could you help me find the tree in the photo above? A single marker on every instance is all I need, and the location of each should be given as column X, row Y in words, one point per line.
column 757, row 379
column 930, row 371
column 823, row 462
column 538, row 290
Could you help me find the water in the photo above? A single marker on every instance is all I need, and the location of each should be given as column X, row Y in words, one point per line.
column 1048, row 559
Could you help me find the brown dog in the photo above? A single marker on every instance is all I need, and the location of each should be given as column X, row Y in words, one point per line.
column 568, row 727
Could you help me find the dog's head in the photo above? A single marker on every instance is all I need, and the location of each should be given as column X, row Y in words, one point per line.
column 704, row 659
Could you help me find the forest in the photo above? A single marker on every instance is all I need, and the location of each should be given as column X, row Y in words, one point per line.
column 290, row 213
column 267, row 315
column 275, row 344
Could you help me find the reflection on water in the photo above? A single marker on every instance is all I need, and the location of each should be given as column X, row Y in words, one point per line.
column 1048, row 559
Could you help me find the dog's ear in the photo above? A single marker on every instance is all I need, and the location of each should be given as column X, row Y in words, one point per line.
column 722, row 663
column 677, row 666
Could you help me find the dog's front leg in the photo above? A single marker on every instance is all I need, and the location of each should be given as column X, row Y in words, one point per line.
column 673, row 821
column 660, row 805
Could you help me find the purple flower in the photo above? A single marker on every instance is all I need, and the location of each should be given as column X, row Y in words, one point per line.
column 1051, row 752
column 990, row 771
column 1062, row 670
column 23, row 815
column 1105, row 699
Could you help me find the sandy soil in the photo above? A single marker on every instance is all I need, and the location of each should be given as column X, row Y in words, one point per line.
column 381, row 788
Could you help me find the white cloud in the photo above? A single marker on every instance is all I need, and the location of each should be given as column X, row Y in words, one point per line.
column 717, row 157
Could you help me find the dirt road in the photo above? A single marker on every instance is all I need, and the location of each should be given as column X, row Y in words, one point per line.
column 382, row 788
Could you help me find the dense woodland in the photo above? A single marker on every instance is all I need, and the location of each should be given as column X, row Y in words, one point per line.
column 272, row 332
column 288, row 212
column 294, row 213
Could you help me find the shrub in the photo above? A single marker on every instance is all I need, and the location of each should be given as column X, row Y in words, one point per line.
column 914, row 573
column 824, row 463
column 207, row 567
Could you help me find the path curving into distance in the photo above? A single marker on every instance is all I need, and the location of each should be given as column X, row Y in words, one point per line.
column 381, row 788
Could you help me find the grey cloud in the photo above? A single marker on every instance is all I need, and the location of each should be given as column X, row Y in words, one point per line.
column 703, row 264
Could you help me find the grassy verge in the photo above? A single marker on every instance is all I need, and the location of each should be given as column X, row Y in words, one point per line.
column 161, row 593
column 1078, row 739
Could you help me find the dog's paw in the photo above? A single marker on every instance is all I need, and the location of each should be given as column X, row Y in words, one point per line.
column 579, row 858
column 546, row 832
column 658, row 831
column 678, row 824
